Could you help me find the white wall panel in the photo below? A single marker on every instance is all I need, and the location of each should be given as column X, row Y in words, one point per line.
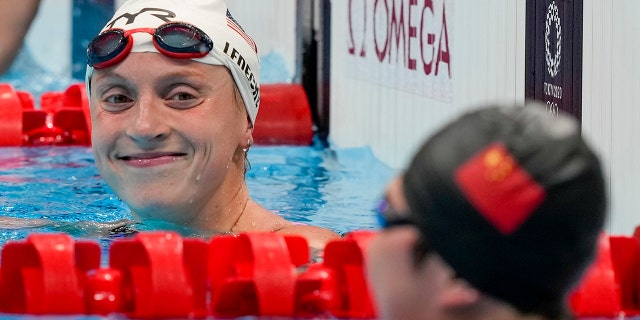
column 369, row 108
column 388, row 106
column 272, row 24
column 610, row 104
column 49, row 37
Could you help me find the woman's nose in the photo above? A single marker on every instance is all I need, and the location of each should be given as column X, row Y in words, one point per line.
column 147, row 125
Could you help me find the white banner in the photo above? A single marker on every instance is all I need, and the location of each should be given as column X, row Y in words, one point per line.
column 401, row 44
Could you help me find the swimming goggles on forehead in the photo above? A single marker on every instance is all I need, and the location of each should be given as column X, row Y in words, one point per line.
column 173, row 39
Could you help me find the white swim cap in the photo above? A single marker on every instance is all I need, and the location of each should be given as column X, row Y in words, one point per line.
column 232, row 47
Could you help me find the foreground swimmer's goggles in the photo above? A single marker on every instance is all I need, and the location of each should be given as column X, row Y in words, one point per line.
column 174, row 39
column 389, row 218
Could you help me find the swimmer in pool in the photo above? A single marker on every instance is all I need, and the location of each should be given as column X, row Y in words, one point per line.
column 496, row 217
column 174, row 94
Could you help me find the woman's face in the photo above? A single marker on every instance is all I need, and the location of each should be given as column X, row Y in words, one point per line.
column 168, row 135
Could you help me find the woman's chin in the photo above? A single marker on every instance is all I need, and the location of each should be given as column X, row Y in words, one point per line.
column 160, row 212
column 154, row 224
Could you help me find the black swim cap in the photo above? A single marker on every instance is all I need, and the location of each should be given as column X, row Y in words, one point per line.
column 513, row 200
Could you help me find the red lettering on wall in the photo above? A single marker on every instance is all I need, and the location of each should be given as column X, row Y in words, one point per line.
column 431, row 39
column 381, row 53
column 412, row 34
column 443, row 54
column 395, row 29
column 352, row 45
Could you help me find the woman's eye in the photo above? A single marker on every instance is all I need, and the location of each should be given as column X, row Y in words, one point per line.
column 183, row 100
column 116, row 103
column 183, row 96
column 117, row 98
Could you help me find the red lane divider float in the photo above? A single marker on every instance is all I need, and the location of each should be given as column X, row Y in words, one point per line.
column 598, row 295
column 63, row 118
column 611, row 286
column 45, row 274
column 11, row 105
column 284, row 116
column 260, row 268
column 163, row 275
column 338, row 285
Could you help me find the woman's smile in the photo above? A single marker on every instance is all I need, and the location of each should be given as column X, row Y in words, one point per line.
column 151, row 159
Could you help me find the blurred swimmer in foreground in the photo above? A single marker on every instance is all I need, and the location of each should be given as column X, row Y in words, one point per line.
column 496, row 217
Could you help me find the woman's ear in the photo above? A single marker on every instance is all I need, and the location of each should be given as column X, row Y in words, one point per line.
column 249, row 131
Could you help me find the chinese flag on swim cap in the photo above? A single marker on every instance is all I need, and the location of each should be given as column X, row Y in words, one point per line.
column 502, row 191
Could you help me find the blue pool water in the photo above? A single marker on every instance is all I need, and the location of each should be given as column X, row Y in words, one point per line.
column 58, row 189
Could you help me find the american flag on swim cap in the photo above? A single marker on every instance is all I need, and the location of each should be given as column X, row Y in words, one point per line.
column 233, row 24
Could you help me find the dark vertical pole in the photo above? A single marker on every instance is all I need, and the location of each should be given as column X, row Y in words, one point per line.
column 316, row 57
column 530, row 49
column 308, row 53
column 577, row 58
column 304, row 36
column 324, row 67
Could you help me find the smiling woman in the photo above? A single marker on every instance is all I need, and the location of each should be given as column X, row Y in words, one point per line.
column 173, row 114
column 171, row 143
